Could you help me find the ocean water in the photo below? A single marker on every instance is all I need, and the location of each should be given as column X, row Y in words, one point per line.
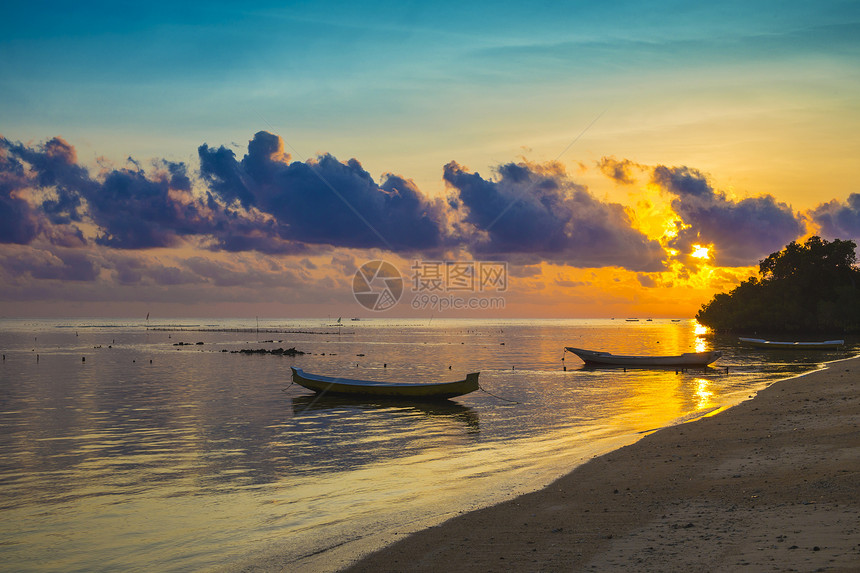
column 141, row 445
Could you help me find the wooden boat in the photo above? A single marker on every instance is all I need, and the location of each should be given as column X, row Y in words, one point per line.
column 821, row 345
column 410, row 390
column 596, row 358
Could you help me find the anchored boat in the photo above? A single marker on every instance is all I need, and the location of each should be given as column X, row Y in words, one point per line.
column 821, row 345
column 597, row 358
column 410, row 390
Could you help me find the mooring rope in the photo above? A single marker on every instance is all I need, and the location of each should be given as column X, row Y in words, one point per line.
column 495, row 396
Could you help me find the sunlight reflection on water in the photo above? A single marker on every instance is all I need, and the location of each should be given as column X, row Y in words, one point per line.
column 149, row 454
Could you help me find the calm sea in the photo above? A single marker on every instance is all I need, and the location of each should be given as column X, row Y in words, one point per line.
column 141, row 445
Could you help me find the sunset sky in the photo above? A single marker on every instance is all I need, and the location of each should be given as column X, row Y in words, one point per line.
column 213, row 159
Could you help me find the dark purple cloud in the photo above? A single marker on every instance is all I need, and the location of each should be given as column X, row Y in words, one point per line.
column 130, row 208
column 55, row 167
column 839, row 220
column 542, row 213
column 136, row 212
column 261, row 203
column 742, row 232
column 325, row 201
column 223, row 174
column 18, row 222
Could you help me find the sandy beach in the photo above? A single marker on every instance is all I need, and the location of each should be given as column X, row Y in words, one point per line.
column 771, row 484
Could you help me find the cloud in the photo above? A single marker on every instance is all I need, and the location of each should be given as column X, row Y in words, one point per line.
column 106, row 280
column 324, row 201
column 308, row 264
column 618, row 171
column 262, row 203
column 18, row 222
column 64, row 236
column 44, row 264
column 136, row 212
column 647, row 281
column 540, row 212
column 54, row 166
column 838, row 220
column 130, row 208
column 221, row 171
column 570, row 284
column 345, row 264
column 131, row 270
column 742, row 232
column 267, row 203
column 525, row 270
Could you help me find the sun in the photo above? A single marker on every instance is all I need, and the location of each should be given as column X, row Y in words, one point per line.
column 700, row 252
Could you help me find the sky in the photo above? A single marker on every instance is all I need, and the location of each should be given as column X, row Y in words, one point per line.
column 599, row 159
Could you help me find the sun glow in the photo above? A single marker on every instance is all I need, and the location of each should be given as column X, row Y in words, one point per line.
column 700, row 252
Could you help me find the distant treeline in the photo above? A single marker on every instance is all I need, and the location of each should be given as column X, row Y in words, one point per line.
column 810, row 287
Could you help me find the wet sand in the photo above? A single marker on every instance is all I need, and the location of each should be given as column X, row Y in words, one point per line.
column 771, row 484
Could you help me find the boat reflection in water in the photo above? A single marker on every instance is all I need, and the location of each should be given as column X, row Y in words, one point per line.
column 339, row 404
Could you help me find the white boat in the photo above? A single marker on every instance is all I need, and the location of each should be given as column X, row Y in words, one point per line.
column 597, row 358
column 787, row 345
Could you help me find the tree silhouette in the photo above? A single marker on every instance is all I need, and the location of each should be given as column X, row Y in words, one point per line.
column 809, row 287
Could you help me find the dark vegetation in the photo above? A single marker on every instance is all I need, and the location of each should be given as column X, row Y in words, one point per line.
column 276, row 351
column 810, row 287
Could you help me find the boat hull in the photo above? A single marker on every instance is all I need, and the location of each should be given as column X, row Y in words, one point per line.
column 822, row 345
column 403, row 390
column 688, row 359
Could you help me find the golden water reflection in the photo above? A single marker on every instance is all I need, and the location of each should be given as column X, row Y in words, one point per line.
column 703, row 392
column 200, row 455
column 700, row 332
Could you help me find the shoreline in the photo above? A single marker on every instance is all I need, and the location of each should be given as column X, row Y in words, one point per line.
column 772, row 483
